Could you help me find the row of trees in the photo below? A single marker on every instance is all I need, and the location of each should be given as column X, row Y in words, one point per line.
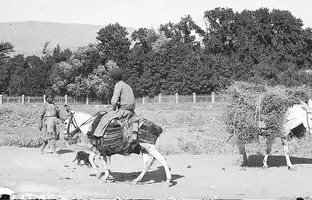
column 264, row 45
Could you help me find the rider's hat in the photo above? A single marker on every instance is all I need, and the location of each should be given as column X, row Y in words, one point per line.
column 116, row 74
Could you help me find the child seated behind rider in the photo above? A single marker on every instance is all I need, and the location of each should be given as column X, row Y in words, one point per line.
column 48, row 122
column 123, row 105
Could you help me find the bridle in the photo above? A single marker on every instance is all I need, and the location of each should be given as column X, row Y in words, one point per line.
column 73, row 136
column 69, row 135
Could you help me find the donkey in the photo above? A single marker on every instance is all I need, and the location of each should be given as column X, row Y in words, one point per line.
column 80, row 122
column 297, row 116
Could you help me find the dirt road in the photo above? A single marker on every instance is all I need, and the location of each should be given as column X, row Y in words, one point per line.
column 26, row 171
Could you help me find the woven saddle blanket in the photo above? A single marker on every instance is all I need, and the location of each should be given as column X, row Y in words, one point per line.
column 118, row 135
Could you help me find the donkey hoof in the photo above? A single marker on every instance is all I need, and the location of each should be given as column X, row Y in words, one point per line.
column 291, row 168
column 168, row 182
column 103, row 181
column 265, row 167
column 98, row 175
column 135, row 182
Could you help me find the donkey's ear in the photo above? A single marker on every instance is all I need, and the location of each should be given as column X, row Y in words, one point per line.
column 67, row 108
column 310, row 103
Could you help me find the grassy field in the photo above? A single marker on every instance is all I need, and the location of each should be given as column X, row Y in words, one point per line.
column 188, row 128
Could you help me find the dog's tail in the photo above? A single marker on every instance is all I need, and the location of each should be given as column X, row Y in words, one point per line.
column 74, row 159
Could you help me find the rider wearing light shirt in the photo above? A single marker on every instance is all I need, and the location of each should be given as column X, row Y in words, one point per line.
column 123, row 97
column 123, row 105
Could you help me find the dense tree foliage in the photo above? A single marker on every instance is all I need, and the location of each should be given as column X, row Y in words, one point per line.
column 264, row 45
column 5, row 49
column 113, row 43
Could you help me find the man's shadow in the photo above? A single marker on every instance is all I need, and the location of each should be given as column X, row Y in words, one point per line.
column 156, row 176
column 276, row 161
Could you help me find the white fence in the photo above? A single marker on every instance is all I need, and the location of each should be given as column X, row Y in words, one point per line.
column 180, row 99
column 165, row 99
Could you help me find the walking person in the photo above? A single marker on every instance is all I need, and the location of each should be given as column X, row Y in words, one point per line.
column 48, row 122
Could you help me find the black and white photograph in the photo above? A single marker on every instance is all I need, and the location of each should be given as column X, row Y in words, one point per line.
column 146, row 99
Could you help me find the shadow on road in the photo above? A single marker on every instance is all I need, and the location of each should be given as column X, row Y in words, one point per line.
column 156, row 176
column 63, row 151
column 276, row 161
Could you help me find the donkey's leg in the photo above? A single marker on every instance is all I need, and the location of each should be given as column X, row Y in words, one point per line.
column 286, row 150
column 106, row 170
column 151, row 149
column 242, row 151
column 92, row 157
column 269, row 144
column 109, row 160
column 147, row 160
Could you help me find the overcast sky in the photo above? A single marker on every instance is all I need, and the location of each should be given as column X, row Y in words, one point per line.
column 136, row 13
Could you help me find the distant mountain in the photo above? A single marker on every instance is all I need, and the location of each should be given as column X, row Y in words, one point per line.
column 29, row 37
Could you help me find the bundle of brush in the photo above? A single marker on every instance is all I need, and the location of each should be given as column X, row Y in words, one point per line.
column 255, row 109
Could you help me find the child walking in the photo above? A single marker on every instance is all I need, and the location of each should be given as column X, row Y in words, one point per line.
column 49, row 116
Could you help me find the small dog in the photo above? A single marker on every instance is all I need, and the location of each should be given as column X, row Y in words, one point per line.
column 81, row 155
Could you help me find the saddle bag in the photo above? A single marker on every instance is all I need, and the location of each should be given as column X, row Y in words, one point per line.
column 149, row 131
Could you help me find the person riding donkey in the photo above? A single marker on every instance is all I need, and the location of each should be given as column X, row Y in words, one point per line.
column 123, row 106
column 48, row 122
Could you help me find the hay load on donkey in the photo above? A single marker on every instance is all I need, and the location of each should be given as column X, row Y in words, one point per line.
column 259, row 110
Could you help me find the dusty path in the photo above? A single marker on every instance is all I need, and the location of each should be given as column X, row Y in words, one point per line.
column 27, row 171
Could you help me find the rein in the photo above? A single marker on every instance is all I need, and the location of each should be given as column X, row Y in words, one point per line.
column 73, row 121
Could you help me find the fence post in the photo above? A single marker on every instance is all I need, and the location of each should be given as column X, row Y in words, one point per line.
column 65, row 99
column 213, row 97
column 87, row 100
column 1, row 98
column 159, row 98
column 23, row 99
column 176, row 98
column 194, row 97
column 143, row 100
column 44, row 98
column 28, row 99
